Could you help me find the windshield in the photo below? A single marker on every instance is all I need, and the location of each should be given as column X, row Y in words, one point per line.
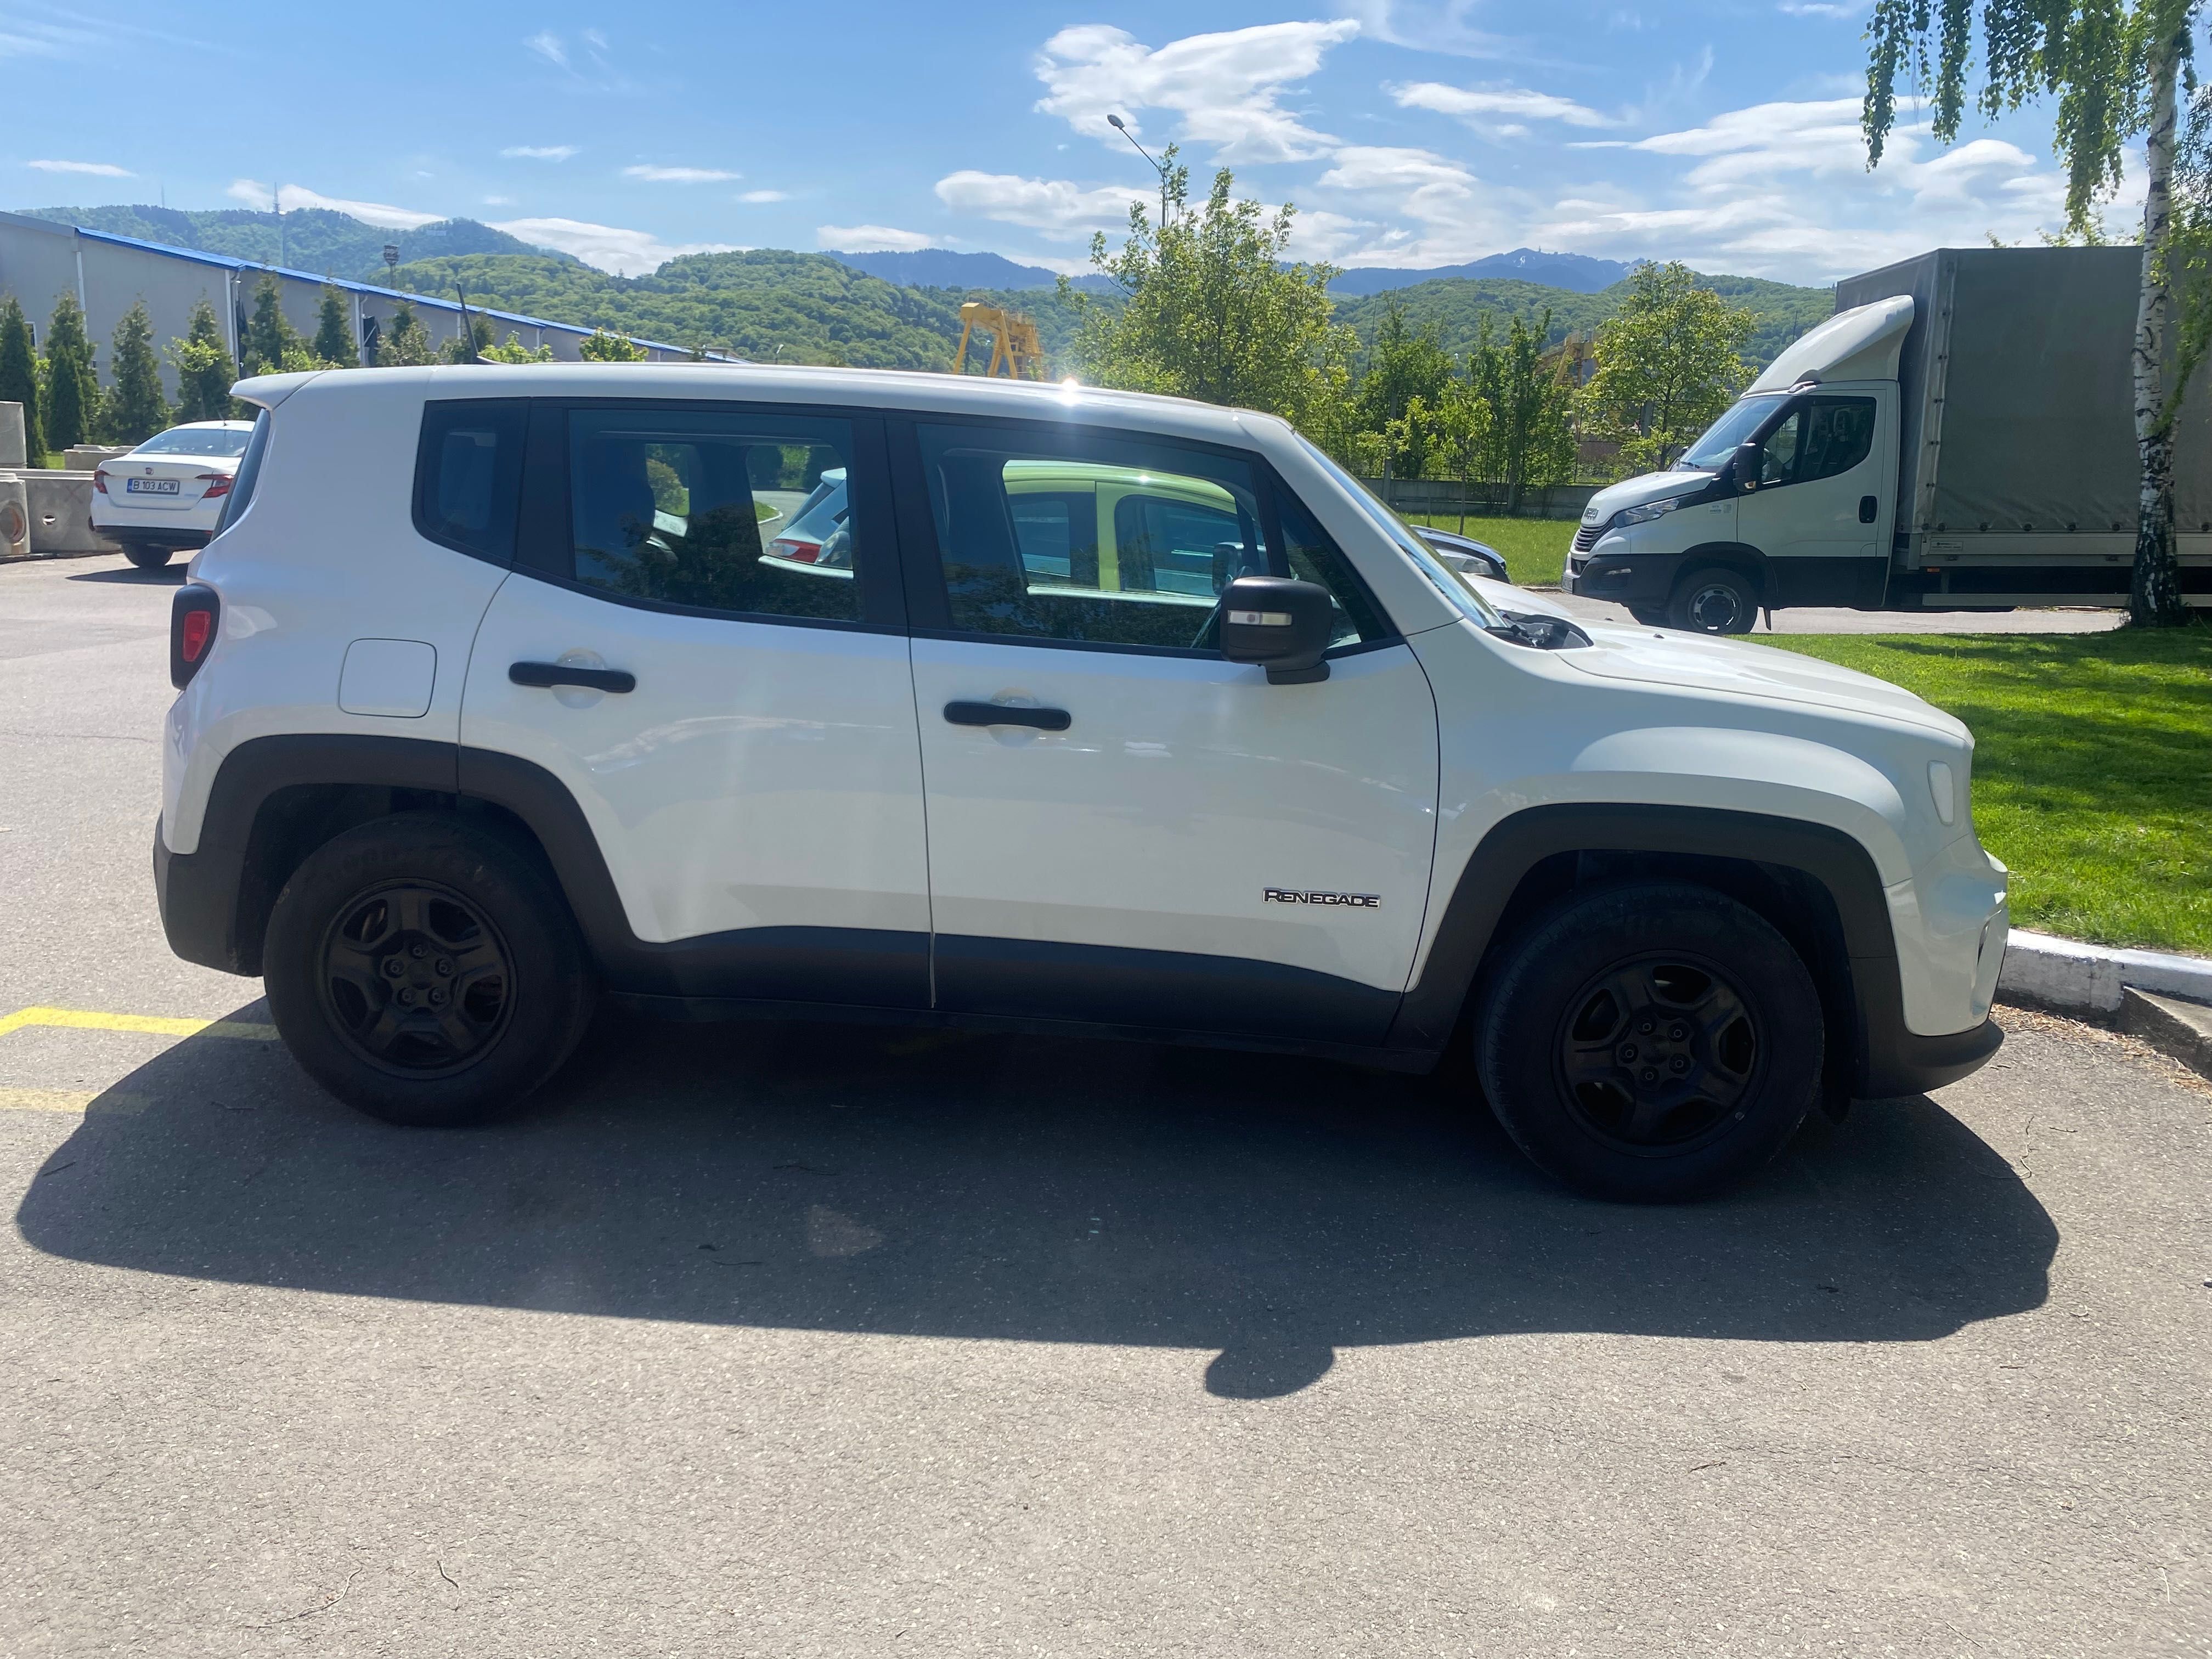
column 1448, row 581
column 1707, row 454
column 228, row 442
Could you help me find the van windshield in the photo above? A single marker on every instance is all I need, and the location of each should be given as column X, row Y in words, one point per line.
column 1721, row 438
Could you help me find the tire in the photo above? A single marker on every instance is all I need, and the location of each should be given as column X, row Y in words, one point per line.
column 426, row 910
column 1568, row 1022
column 148, row 558
column 1715, row 600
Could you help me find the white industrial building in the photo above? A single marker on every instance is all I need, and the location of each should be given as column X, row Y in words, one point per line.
column 39, row 260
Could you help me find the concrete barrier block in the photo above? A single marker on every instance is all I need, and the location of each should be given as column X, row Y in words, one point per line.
column 83, row 458
column 12, row 452
column 15, row 518
column 61, row 515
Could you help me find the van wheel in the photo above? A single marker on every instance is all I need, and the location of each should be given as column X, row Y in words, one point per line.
column 1654, row 1042
column 148, row 558
column 1715, row 600
column 424, row 972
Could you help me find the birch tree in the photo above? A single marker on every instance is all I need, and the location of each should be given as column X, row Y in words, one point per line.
column 2116, row 68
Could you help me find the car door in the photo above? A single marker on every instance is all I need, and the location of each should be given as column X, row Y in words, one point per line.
column 1820, row 485
column 755, row 790
column 1124, row 827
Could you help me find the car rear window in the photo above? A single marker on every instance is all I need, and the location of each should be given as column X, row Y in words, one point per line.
column 221, row 442
column 468, row 475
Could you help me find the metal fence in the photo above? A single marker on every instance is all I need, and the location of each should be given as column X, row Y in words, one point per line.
column 1433, row 495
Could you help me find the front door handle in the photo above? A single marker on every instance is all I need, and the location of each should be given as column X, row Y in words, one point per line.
column 1867, row 508
column 999, row 713
column 561, row 673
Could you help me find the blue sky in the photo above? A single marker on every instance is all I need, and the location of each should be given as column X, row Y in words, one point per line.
column 1409, row 132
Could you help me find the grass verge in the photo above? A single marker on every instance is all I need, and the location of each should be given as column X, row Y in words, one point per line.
column 2092, row 768
column 1535, row 550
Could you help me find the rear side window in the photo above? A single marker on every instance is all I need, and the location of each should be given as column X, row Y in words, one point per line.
column 468, row 475
column 249, row 475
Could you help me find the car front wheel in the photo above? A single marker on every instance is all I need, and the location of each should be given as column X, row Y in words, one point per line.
column 1654, row 1042
column 426, row 972
column 148, row 558
column 1715, row 600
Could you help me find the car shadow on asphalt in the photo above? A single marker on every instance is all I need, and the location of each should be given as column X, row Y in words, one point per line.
column 860, row 1179
column 169, row 575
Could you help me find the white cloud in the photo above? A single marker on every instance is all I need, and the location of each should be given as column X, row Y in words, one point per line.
column 680, row 175
column 1820, row 9
column 548, row 46
column 758, row 196
column 1225, row 88
column 1425, row 26
column 291, row 198
column 498, row 201
column 1478, row 106
column 538, row 152
column 872, row 238
column 97, row 169
column 1052, row 205
column 608, row 247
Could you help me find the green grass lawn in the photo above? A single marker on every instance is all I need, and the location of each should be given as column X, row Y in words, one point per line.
column 2092, row 768
column 1535, row 550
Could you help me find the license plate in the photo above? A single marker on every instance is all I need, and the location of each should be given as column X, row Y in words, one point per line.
column 150, row 487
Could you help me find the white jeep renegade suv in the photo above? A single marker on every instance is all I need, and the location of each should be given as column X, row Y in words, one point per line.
column 1113, row 714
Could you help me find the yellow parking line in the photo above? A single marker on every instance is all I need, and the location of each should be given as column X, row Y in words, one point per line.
column 86, row 1020
column 47, row 1100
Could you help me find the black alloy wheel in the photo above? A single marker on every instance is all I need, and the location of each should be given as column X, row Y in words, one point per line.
column 1656, row 1055
column 427, row 970
column 416, row 979
column 1653, row 1041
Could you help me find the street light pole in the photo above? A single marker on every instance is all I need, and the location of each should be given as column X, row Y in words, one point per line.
column 1119, row 126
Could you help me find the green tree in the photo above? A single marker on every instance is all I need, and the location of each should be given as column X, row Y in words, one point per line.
column 1211, row 310
column 1531, row 441
column 71, row 406
column 205, row 373
column 334, row 341
column 19, row 375
column 272, row 345
column 406, row 342
column 1405, row 365
column 470, row 348
column 1461, row 429
column 1668, row 363
column 605, row 348
column 511, row 351
column 2114, row 66
column 135, row 408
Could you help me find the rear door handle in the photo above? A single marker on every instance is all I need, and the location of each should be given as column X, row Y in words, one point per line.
column 998, row 714
column 561, row 673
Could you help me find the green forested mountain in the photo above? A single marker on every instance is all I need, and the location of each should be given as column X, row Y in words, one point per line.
column 768, row 305
column 1456, row 304
column 310, row 239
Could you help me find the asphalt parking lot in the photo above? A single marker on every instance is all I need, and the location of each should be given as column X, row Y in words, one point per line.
column 782, row 1339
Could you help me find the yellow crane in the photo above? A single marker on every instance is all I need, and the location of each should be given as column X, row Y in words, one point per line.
column 1014, row 342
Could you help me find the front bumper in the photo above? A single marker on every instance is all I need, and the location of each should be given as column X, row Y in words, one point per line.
column 197, row 895
column 1640, row 579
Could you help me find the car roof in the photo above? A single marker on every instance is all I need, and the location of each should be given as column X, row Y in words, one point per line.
column 905, row 390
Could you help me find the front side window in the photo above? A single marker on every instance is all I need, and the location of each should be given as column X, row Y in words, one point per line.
column 1778, row 458
column 1457, row 590
column 1820, row 438
column 734, row 511
column 1105, row 542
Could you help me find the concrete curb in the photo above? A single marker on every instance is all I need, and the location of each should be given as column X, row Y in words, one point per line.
column 2069, row 977
column 2183, row 1029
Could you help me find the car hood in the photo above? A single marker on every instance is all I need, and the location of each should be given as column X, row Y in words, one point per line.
column 1681, row 661
column 1645, row 486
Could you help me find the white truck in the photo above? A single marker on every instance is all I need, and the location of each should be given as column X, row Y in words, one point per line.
column 1959, row 435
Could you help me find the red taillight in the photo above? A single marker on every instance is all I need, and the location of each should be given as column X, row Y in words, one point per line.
column 218, row 484
column 797, row 552
column 192, row 616
column 100, row 481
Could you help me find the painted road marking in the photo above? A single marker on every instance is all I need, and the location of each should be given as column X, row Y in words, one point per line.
column 85, row 1020
column 75, row 1103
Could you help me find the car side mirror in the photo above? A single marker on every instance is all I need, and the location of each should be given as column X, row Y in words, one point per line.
column 1278, row 624
column 1745, row 467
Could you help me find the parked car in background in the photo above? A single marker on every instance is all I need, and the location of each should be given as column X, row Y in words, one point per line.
column 167, row 494
column 1464, row 554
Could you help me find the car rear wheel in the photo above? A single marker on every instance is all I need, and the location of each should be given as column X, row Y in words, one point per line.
column 1656, row 1041
column 148, row 558
column 426, row 972
column 1715, row 600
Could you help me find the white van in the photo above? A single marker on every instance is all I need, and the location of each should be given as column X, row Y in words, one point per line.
column 1124, row 715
